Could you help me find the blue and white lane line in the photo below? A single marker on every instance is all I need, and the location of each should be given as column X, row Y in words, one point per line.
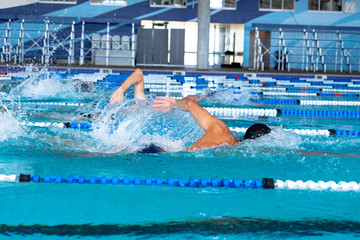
column 265, row 183
column 304, row 132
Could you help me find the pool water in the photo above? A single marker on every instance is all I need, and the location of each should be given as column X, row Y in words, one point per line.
column 96, row 211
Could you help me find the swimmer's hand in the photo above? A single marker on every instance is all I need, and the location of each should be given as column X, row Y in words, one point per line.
column 163, row 104
column 117, row 96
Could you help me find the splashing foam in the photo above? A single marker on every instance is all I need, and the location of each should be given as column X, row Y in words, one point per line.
column 46, row 86
column 226, row 96
column 277, row 138
column 130, row 126
column 10, row 126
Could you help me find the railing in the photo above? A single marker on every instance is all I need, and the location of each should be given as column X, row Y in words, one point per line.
column 309, row 50
column 74, row 43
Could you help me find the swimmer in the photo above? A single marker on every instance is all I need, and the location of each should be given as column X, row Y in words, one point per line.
column 216, row 134
column 82, row 86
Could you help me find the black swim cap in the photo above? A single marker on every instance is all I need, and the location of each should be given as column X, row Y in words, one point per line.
column 256, row 131
column 151, row 148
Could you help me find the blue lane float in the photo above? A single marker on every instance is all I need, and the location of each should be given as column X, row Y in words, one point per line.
column 320, row 114
column 266, row 183
column 179, row 182
column 305, row 102
column 276, row 101
column 302, row 93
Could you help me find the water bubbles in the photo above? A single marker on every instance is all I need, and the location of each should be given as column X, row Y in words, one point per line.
column 10, row 126
column 131, row 125
column 45, row 85
column 277, row 138
column 226, row 96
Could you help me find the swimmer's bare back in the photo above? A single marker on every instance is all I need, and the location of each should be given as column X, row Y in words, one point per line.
column 216, row 132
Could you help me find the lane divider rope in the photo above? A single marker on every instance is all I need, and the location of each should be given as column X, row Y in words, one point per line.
column 55, row 103
column 306, row 102
column 306, row 132
column 312, row 132
column 306, row 94
column 242, row 111
column 261, row 101
column 223, row 111
column 265, row 183
column 220, row 111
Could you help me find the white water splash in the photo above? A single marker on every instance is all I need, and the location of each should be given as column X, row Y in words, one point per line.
column 129, row 127
column 226, row 96
column 10, row 126
column 44, row 85
column 277, row 138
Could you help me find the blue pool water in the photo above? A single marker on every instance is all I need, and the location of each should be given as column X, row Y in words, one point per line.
column 85, row 211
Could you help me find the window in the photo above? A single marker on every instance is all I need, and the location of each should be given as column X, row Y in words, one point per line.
column 325, row 5
column 168, row 3
column 109, row 2
column 283, row 5
column 230, row 4
column 59, row 1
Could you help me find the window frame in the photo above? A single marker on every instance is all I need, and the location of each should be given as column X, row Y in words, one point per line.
column 168, row 6
column 323, row 11
column 223, row 7
column 277, row 10
column 122, row 3
column 58, row 1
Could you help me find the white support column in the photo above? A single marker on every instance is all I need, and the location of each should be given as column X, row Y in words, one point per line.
column 47, row 56
column 259, row 54
column 313, row 45
column 133, row 44
column 303, row 50
column 72, row 45
column 203, row 34
column 337, row 49
column 7, row 42
column 280, row 51
column 45, row 48
column 308, row 53
column 81, row 60
column 317, row 52
column 21, row 41
column 283, row 51
column 107, row 44
column 256, row 48
column 341, row 45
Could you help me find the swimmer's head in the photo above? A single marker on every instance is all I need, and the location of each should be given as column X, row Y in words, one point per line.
column 82, row 86
column 255, row 131
column 152, row 148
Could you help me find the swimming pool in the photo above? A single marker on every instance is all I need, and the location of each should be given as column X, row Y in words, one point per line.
column 34, row 142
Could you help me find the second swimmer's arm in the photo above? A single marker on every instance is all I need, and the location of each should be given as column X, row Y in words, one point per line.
column 136, row 79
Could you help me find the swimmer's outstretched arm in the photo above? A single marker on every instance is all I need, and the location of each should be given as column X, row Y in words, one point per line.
column 189, row 104
column 136, row 79
column 216, row 132
column 163, row 102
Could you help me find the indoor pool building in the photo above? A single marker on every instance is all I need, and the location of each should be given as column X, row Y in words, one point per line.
column 180, row 119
